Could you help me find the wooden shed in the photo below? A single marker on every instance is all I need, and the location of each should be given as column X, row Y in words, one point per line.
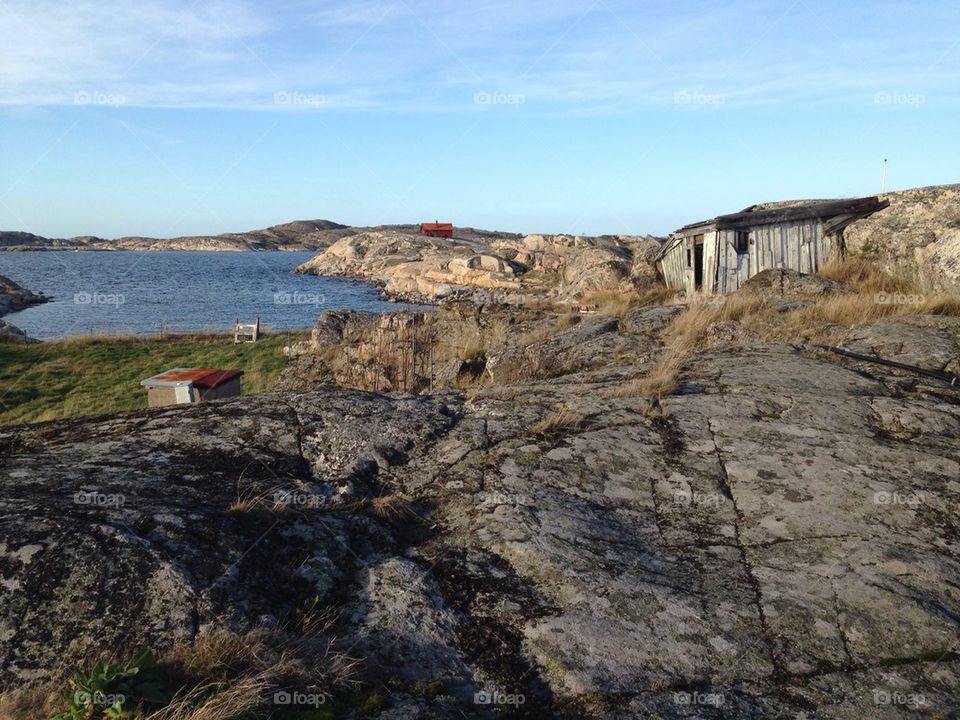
column 719, row 255
column 190, row 385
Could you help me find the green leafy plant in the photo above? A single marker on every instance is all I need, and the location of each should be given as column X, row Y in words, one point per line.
column 114, row 691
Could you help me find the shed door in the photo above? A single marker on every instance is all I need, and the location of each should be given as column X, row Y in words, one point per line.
column 698, row 262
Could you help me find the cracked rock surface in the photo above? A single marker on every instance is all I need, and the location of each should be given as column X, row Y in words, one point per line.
column 780, row 543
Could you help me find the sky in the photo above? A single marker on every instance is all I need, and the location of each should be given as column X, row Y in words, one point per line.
column 164, row 118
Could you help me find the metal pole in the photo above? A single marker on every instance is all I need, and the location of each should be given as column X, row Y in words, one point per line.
column 883, row 183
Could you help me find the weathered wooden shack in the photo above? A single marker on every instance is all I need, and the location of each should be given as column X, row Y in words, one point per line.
column 719, row 255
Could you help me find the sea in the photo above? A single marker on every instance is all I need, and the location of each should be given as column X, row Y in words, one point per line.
column 144, row 293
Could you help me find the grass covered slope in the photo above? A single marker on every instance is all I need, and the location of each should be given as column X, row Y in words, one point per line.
column 51, row 380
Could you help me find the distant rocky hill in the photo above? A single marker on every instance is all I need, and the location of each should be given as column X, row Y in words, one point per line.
column 15, row 240
column 296, row 235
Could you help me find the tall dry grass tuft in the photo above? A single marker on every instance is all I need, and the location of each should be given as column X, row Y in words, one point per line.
column 213, row 701
column 560, row 420
column 658, row 383
column 861, row 275
column 389, row 507
column 688, row 329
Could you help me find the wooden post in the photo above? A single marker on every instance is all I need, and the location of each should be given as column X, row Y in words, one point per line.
column 403, row 355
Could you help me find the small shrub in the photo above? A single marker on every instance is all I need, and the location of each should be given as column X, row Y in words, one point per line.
column 115, row 691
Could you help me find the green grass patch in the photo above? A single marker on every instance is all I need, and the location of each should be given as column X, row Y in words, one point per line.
column 88, row 376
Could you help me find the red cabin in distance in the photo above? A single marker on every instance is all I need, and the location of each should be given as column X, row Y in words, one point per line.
column 437, row 229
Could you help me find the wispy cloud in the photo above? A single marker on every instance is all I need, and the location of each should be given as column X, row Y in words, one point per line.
column 401, row 55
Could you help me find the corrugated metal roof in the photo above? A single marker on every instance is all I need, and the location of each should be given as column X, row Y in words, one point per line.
column 205, row 378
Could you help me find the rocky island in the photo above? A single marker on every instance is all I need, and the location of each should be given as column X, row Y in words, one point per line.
column 644, row 506
column 297, row 235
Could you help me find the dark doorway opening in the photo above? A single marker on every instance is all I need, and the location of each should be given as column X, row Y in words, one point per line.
column 698, row 265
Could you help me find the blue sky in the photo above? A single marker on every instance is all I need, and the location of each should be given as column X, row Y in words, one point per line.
column 599, row 116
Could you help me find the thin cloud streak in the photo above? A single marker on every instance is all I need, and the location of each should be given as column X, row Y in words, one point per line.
column 576, row 57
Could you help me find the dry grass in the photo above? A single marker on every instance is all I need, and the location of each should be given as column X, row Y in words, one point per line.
column 560, row 420
column 546, row 330
column 213, row 702
column 242, row 505
column 32, row 704
column 539, row 363
column 660, row 382
column 618, row 304
column 567, row 321
column 537, row 306
column 864, row 276
column 389, row 507
column 223, row 676
column 869, row 294
column 217, row 656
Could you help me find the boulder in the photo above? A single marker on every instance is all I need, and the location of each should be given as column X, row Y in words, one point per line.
column 11, row 333
column 785, row 283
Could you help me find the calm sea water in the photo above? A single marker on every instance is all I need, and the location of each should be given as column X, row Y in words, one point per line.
column 131, row 292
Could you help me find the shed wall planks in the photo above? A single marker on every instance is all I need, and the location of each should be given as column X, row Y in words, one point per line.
column 800, row 245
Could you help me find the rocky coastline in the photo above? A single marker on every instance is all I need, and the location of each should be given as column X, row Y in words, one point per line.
column 515, row 507
column 13, row 297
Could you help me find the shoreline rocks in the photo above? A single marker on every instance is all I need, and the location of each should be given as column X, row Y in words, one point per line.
column 14, row 297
